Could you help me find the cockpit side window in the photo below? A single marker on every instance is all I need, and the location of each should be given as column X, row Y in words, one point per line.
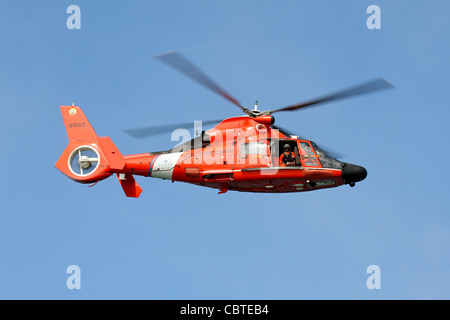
column 309, row 158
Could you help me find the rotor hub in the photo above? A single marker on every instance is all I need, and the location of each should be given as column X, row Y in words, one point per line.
column 84, row 162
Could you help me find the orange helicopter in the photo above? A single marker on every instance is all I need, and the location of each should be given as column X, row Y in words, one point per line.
column 247, row 153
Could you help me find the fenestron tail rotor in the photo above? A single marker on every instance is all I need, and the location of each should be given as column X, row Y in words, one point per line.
column 84, row 160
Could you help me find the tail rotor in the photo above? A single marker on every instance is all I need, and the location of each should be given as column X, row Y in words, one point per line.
column 84, row 160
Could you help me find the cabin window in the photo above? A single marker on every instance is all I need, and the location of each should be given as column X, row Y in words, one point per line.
column 254, row 148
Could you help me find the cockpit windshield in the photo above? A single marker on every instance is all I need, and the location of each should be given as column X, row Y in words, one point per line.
column 322, row 152
column 326, row 159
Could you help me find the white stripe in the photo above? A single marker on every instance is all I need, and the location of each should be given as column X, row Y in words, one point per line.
column 164, row 165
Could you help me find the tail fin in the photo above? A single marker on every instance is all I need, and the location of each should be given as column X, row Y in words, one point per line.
column 89, row 158
column 77, row 125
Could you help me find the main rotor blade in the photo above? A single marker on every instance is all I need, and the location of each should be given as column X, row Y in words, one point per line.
column 180, row 63
column 373, row 85
column 145, row 132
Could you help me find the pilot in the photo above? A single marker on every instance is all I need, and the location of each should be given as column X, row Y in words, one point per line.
column 287, row 158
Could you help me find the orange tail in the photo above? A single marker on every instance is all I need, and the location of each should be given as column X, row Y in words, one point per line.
column 89, row 158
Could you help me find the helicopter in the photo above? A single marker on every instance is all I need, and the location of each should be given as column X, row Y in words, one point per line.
column 246, row 153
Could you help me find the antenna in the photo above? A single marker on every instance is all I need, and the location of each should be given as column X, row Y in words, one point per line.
column 256, row 106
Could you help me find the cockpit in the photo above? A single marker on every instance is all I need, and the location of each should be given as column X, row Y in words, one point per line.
column 304, row 153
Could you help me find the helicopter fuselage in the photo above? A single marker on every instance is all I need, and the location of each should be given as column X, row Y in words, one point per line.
column 243, row 154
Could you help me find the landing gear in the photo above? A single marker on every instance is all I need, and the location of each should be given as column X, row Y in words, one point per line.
column 352, row 184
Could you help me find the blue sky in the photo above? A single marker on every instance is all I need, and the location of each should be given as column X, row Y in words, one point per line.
column 179, row 241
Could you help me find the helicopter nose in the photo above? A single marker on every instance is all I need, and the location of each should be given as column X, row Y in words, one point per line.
column 352, row 173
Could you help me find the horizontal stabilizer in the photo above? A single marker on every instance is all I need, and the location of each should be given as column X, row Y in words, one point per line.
column 129, row 185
